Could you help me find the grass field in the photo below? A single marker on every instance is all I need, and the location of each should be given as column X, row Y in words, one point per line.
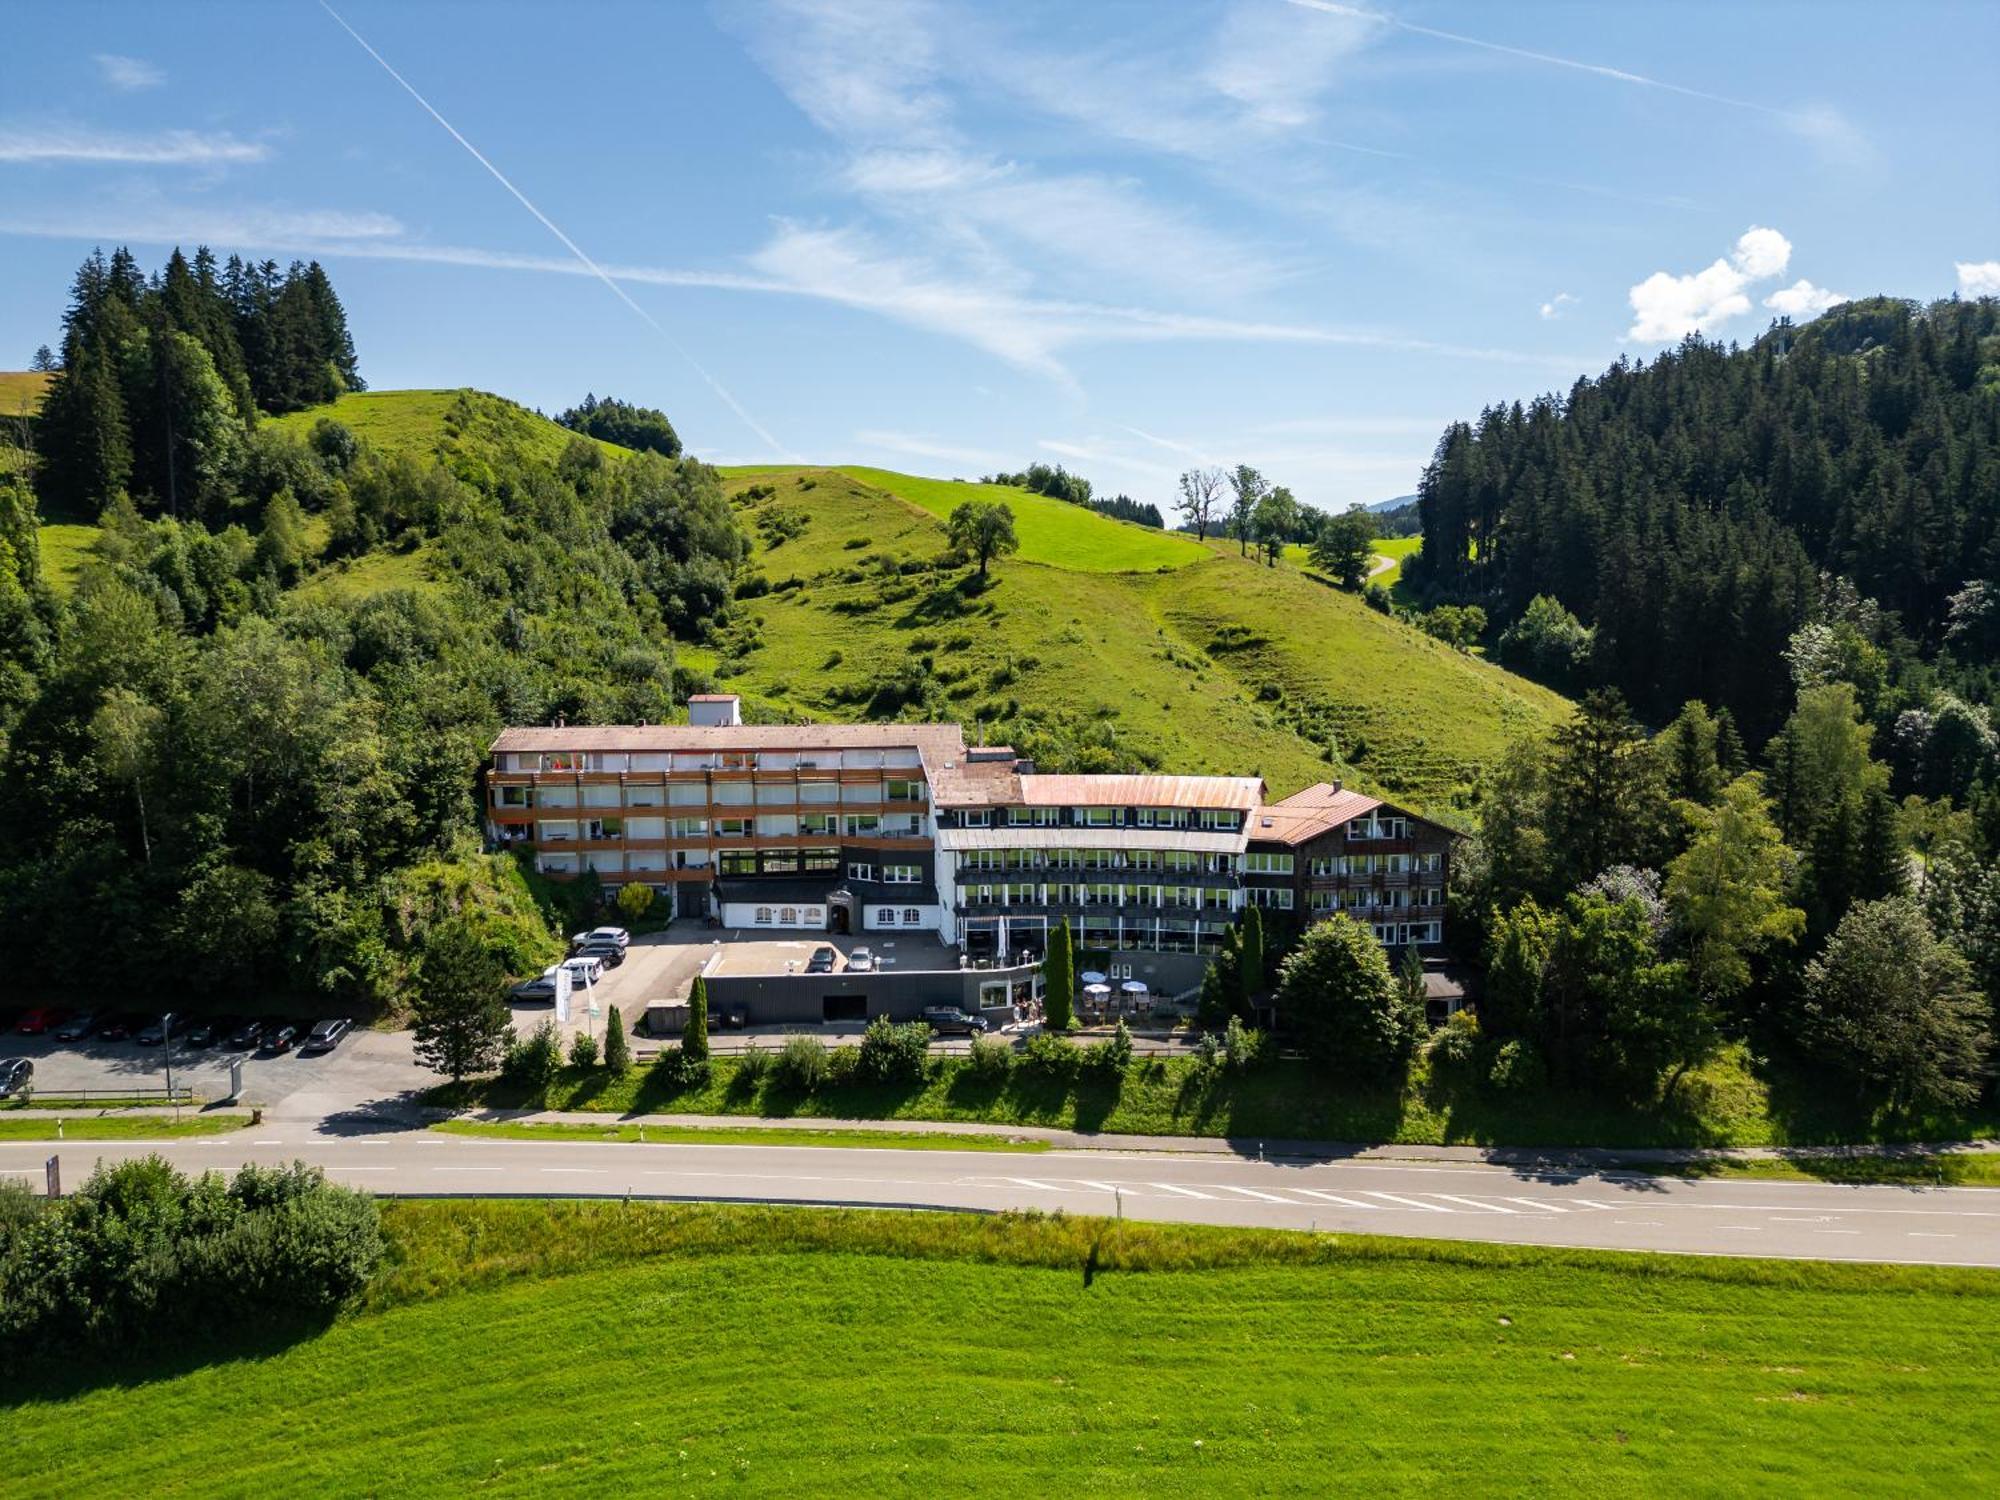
column 65, row 549
column 604, row 1349
column 722, row 1135
column 21, row 392
column 29, row 1126
column 433, row 421
column 1723, row 1104
column 371, row 573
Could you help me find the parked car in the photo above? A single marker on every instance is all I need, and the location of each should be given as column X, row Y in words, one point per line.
column 206, row 1031
column 946, row 1020
column 738, row 1018
column 77, row 1027
column 604, row 951
column 119, row 1028
column 249, row 1035
column 325, row 1036
column 615, row 935
column 279, row 1036
column 861, row 961
column 152, row 1033
column 542, row 988
column 821, row 961
column 39, row 1020
column 584, row 970
column 17, row 1076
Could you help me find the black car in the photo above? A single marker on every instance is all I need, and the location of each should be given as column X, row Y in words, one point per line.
column 77, row 1027
column 541, row 987
column 206, row 1031
column 821, row 961
column 250, row 1035
column 119, row 1028
column 152, row 1033
column 946, row 1021
column 608, row 954
column 325, row 1036
column 279, row 1035
column 16, row 1074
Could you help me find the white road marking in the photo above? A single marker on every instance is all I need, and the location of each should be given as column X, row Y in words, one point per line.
column 1639, row 1223
column 1593, row 1203
column 591, row 1171
column 1189, row 1192
column 267, row 1143
column 1336, row 1198
column 1541, row 1203
column 1745, row 1228
column 1925, row 1234
column 1476, row 1203
column 1040, row 1187
column 1407, row 1202
column 1836, row 1231
column 1230, row 1187
column 468, row 1169
column 1104, row 1187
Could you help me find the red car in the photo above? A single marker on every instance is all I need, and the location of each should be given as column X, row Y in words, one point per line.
column 42, row 1018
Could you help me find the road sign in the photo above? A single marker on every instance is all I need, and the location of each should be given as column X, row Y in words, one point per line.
column 54, row 1170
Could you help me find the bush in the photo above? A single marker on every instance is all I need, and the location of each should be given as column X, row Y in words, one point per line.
column 1208, row 1053
column 583, row 1050
column 635, row 899
column 1110, row 1058
column 1453, row 1051
column 534, row 1060
column 1051, row 1056
column 990, row 1060
column 1517, row 1068
column 842, row 1063
column 753, row 1065
column 892, row 1053
column 678, row 1068
column 1245, row 1048
column 800, row 1066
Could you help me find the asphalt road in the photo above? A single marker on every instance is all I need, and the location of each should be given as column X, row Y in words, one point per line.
column 1614, row 1211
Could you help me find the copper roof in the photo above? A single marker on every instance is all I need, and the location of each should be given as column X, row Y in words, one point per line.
column 975, row 784
column 1239, row 792
column 1307, row 814
column 939, row 744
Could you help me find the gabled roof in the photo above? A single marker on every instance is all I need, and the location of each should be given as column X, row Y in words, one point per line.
column 1306, row 815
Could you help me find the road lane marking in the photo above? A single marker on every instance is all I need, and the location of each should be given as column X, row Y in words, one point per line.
column 1040, row 1187
column 590, row 1171
column 1745, row 1228
column 1185, row 1192
column 1593, row 1203
column 1836, row 1231
column 267, row 1143
column 1476, row 1203
column 1230, row 1187
column 1336, row 1198
column 1925, row 1234
column 1541, row 1203
column 468, row 1169
column 1639, row 1223
column 1105, row 1187
column 1407, row 1202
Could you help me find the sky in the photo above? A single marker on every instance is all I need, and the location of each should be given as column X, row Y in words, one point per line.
column 954, row 238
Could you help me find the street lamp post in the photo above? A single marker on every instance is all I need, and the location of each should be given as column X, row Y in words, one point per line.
column 167, row 1044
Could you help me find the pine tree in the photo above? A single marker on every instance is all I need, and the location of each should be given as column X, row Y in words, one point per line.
column 86, row 444
column 617, row 1050
column 461, row 1021
column 1059, row 981
column 44, row 362
column 694, row 1039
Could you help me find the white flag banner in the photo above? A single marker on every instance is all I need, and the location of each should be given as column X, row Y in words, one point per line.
column 562, row 992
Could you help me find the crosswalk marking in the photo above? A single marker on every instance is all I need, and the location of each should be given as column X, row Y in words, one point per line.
column 1592, row 1203
column 1102, row 1187
column 1336, row 1198
column 1040, row 1187
column 1408, row 1202
column 1476, row 1203
column 1541, row 1203
column 1228, row 1187
column 1183, row 1191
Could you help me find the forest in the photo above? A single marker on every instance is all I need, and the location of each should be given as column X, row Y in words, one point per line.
column 226, row 765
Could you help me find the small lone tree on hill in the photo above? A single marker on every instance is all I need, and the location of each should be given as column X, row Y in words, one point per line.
column 983, row 530
column 694, row 1039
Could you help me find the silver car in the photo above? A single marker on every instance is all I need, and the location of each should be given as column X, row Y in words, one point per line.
column 860, row 961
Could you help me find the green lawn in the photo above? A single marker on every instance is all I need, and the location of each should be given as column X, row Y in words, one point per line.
column 371, row 573
column 605, row 1349
column 65, row 549
column 1922, row 1169
column 29, row 1126
column 1723, row 1104
column 722, row 1135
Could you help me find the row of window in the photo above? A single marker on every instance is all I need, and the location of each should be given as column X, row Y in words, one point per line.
column 1256, row 863
column 1212, row 819
column 721, row 794
column 1273, row 897
column 1366, row 900
column 1214, row 898
column 853, row 825
column 1400, row 934
column 1378, row 864
column 710, row 760
column 1362, row 829
column 1180, row 861
column 912, row 916
column 790, row 916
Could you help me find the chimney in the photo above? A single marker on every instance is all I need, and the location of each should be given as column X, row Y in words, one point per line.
column 715, row 710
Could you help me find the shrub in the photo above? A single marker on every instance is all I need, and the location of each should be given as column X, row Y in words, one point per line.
column 892, row 1053
column 583, row 1050
column 617, row 1050
column 1208, row 1053
column 855, row 543
column 1110, row 1058
column 534, row 1060
column 1244, row 1048
column 1335, row 987
column 1051, row 1055
column 753, row 1065
column 1517, row 1068
column 990, row 1060
column 677, row 1068
column 800, row 1066
column 1453, row 1051
column 635, row 899
column 842, row 1063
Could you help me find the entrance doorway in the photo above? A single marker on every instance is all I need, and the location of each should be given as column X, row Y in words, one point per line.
column 844, row 1007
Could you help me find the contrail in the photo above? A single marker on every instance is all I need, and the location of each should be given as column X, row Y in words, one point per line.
column 1362, row 13
column 571, row 245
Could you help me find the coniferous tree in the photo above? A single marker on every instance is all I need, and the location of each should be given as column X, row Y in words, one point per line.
column 694, row 1037
column 1059, row 980
column 1250, row 977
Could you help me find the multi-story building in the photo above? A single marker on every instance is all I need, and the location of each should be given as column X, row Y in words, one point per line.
column 894, row 827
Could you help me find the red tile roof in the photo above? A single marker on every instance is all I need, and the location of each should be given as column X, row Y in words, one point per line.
column 1306, row 815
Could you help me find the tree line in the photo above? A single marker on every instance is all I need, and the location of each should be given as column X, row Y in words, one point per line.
column 1243, row 504
column 1058, row 483
column 1693, row 514
column 162, row 378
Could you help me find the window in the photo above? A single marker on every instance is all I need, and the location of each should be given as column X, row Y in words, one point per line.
column 731, row 793
column 976, row 817
column 886, row 917
column 738, row 861
column 819, row 792
column 1226, row 819
column 789, row 917
column 603, row 828
column 822, row 824
column 645, row 796
column 820, row 861
column 733, row 828
column 858, row 871
column 511, row 796
column 781, row 862
column 1162, row 817
column 1278, row 897
column 1100, row 817
column 763, row 916
column 911, row 916
column 863, row 825
column 906, row 791
column 1267, row 864
column 902, row 874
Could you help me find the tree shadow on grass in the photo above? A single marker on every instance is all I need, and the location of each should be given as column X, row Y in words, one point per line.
column 31, row 1378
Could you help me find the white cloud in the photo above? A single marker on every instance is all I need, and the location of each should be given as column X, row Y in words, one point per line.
column 1667, row 307
column 1275, row 69
column 1979, row 278
column 170, row 148
column 1553, row 308
column 128, row 74
column 250, row 228
column 1803, row 300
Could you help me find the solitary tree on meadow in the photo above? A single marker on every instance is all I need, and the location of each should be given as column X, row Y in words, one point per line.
column 1201, row 490
column 1249, row 488
column 984, row 530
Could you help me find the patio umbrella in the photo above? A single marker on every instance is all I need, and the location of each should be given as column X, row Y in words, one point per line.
column 1135, row 993
column 1091, row 976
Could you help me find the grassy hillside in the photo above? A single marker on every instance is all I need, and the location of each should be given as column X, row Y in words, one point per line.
column 21, row 391
column 1100, row 643
column 810, row 1352
column 1218, row 664
column 65, row 549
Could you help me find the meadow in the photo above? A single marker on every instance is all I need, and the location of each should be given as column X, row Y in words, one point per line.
column 604, row 1349
column 35, row 1126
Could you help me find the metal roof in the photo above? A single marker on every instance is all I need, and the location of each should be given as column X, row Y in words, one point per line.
column 943, row 743
column 1191, row 840
column 1306, row 815
column 1239, row 792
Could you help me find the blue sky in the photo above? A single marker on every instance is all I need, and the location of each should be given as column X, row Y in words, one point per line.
column 951, row 237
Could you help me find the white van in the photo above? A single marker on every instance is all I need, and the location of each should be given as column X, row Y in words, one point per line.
column 584, row 971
